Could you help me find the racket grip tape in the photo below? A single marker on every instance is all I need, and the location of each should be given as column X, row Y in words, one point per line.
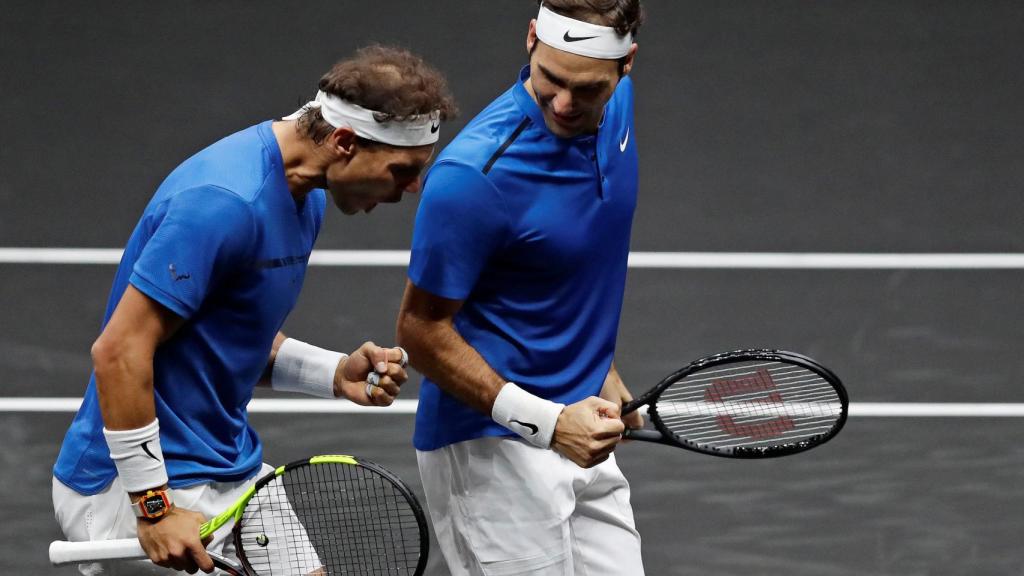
column 631, row 406
column 64, row 552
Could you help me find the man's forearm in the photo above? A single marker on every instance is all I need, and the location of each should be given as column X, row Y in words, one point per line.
column 612, row 372
column 440, row 353
column 123, row 359
column 124, row 384
column 269, row 369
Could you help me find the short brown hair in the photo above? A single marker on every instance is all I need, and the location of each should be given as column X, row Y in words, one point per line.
column 393, row 82
column 625, row 16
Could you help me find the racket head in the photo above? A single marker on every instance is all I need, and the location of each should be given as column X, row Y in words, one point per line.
column 337, row 513
column 753, row 403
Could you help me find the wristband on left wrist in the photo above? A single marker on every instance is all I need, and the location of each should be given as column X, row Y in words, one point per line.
column 304, row 368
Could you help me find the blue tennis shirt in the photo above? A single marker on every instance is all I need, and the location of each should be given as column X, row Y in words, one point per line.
column 224, row 245
column 531, row 231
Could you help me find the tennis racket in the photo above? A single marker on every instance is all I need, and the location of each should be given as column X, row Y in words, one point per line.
column 321, row 515
column 745, row 404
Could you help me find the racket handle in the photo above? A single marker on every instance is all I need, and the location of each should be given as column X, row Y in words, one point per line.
column 631, row 406
column 64, row 552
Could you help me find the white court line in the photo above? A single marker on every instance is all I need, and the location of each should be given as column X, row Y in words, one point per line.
column 824, row 260
column 312, row 406
column 677, row 260
column 258, row 405
column 940, row 409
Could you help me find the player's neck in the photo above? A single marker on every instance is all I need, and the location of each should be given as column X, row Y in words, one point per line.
column 529, row 90
column 305, row 164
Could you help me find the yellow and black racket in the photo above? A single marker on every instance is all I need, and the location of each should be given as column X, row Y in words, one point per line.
column 745, row 404
column 321, row 515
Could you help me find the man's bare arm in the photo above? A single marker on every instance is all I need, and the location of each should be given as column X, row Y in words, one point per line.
column 586, row 432
column 426, row 330
column 123, row 360
column 265, row 377
column 614, row 390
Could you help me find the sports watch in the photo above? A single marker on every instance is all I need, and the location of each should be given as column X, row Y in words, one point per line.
column 154, row 504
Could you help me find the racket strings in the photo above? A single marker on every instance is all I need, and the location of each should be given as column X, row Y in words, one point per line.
column 330, row 518
column 750, row 405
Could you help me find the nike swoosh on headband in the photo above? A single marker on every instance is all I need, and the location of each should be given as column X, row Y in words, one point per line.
column 569, row 38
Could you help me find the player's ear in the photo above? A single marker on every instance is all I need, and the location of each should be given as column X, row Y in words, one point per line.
column 531, row 36
column 629, row 58
column 342, row 141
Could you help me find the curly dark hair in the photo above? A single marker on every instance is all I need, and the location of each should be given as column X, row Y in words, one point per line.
column 393, row 82
column 625, row 16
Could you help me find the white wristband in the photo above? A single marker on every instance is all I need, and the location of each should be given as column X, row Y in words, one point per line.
column 138, row 457
column 304, row 368
column 530, row 416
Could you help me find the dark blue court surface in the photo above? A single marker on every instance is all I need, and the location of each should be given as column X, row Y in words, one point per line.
column 789, row 126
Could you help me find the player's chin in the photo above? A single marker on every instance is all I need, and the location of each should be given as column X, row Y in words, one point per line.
column 566, row 126
column 562, row 131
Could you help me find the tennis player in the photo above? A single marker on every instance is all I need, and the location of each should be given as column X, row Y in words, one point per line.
column 208, row 277
column 515, row 289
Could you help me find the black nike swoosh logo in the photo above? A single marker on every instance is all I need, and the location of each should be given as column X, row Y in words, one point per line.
column 568, row 38
column 434, row 128
column 146, row 450
column 533, row 427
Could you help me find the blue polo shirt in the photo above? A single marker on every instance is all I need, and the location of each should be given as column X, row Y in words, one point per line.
column 224, row 245
column 531, row 231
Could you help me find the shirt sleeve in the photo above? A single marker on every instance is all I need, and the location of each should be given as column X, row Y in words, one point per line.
column 204, row 235
column 461, row 222
column 319, row 196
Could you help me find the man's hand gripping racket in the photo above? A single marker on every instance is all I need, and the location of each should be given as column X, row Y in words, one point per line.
column 322, row 515
column 744, row 404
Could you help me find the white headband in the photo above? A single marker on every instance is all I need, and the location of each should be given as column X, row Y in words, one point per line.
column 418, row 130
column 581, row 38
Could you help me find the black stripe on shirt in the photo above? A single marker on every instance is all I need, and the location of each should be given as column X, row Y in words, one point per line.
column 281, row 262
column 515, row 134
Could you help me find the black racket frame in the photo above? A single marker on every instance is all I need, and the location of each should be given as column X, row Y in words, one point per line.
column 665, row 436
column 395, row 481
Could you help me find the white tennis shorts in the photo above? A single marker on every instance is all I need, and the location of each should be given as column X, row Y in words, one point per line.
column 502, row 507
column 108, row 515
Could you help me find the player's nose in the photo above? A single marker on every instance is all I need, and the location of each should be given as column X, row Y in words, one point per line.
column 415, row 186
column 562, row 102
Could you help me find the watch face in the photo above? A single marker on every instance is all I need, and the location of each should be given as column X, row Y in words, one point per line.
column 155, row 504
